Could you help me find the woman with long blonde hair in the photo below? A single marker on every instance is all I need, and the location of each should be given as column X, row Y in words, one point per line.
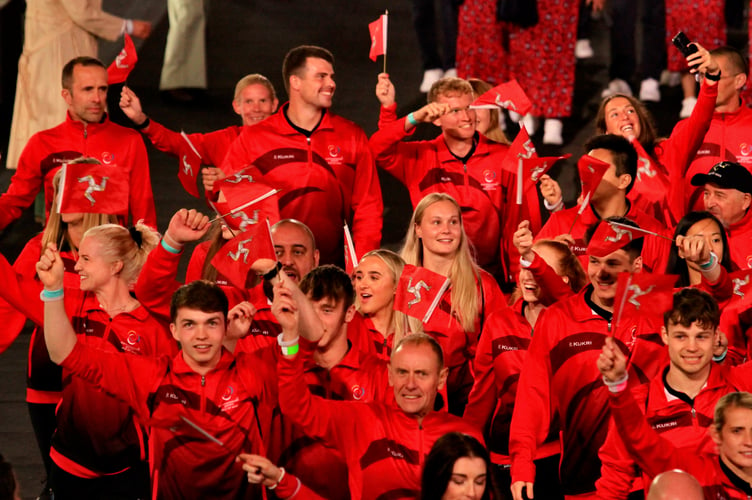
column 436, row 241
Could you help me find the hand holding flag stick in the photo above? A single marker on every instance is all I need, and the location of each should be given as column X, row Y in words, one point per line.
column 615, row 224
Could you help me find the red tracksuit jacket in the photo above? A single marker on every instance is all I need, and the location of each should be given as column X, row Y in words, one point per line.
column 485, row 191
column 384, row 448
column 108, row 142
column 683, row 424
column 560, row 376
column 655, row 454
column 229, row 403
column 325, row 179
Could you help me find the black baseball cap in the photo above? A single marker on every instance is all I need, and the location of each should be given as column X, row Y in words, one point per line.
column 727, row 175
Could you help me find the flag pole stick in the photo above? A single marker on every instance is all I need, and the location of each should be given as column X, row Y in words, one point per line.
column 386, row 38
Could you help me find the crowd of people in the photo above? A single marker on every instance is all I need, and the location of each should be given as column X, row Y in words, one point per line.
column 512, row 348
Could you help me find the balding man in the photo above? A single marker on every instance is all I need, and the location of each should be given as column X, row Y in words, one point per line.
column 675, row 485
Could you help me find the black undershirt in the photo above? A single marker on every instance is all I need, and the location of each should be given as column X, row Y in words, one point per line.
column 607, row 315
column 735, row 480
column 307, row 133
column 464, row 159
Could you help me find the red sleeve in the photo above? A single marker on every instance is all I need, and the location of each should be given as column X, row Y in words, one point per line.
column 552, row 286
column 141, row 197
column 385, row 144
column 722, row 290
column 125, row 377
column 653, row 453
column 238, row 156
column 618, row 470
column 171, row 142
column 367, row 204
column 334, row 421
column 483, row 397
column 677, row 152
column 21, row 292
column 292, row 488
column 387, row 114
column 532, row 410
column 24, row 185
column 156, row 282
column 195, row 270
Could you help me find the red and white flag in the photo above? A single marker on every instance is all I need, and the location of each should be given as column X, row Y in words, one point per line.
column 246, row 202
column 378, row 30
column 190, row 164
column 509, row 95
column 235, row 258
column 92, row 188
column 643, row 295
column 591, row 172
column 124, row 63
column 351, row 258
column 534, row 168
column 419, row 292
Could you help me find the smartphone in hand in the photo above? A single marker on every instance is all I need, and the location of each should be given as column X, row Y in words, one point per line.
column 682, row 42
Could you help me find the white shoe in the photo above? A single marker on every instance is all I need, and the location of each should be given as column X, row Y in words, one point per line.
column 450, row 73
column 531, row 124
column 552, row 132
column 430, row 76
column 688, row 104
column 583, row 49
column 650, row 90
column 670, row 78
column 616, row 86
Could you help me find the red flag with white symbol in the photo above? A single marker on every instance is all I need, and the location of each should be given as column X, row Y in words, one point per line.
column 92, row 188
column 351, row 258
column 643, row 295
column 534, row 168
column 124, row 63
column 378, row 30
column 419, row 292
column 246, row 202
column 235, row 258
column 591, row 172
column 190, row 164
column 509, row 95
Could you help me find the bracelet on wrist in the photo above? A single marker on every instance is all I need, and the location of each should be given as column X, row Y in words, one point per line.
column 720, row 358
column 143, row 124
column 288, row 347
column 710, row 264
column 270, row 275
column 51, row 295
column 411, row 119
column 616, row 385
column 714, row 78
column 281, row 476
column 170, row 248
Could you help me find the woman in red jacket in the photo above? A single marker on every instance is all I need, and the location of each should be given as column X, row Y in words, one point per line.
column 436, row 240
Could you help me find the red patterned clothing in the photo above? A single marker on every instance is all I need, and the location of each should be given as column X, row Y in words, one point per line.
column 325, row 178
column 560, row 377
column 706, row 25
column 655, row 454
column 673, row 416
column 212, row 147
column 543, row 57
column 480, row 43
column 228, row 403
column 46, row 151
column 384, row 458
column 502, row 352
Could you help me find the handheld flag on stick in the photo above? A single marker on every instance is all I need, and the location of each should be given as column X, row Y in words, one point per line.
column 246, row 202
column 235, row 259
column 509, row 95
column 534, row 168
column 642, row 294
column 616, row 225
column 419, row 292
column 351, row 258
column 123, row 64
column 90, row 187
column 591, row 172
column 378, row 31
column 190, row 164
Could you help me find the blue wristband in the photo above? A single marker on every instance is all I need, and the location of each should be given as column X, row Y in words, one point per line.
column 720, row 358
column 51, row 295
column 170, row 249
column 411, row 120
column 709, row 264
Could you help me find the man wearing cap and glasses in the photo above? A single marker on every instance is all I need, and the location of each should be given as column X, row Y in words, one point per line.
column 727, row 194
column 727, row 138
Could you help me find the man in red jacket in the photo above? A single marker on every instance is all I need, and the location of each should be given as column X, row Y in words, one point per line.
column 679, row 402
column 384, row 445
column 320, row 161
column 86, row 131
column 560, row 369
column 727, row 194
